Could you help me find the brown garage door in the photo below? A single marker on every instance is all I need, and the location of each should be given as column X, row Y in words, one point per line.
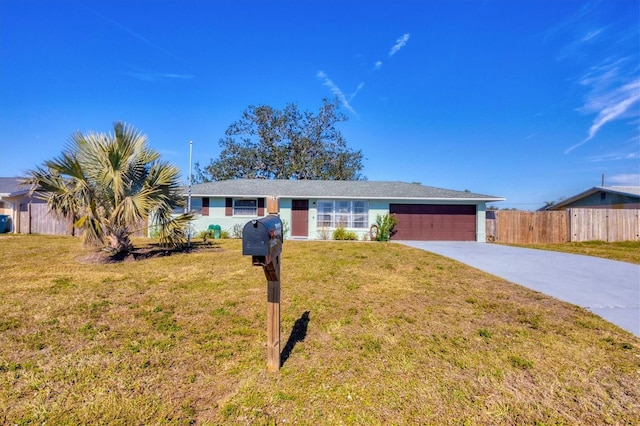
column 434, row 222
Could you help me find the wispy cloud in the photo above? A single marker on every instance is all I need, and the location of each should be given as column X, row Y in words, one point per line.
column 618, row 156
column 611, row 85
column 572, row 22
column 353, row 95
column 157, row 76
column 400, row 43
column 591, row 35
column 625, row 179
column 613, row 105
column 611, row 96
column 346, row 100
column 337, row 92
column 132, row 33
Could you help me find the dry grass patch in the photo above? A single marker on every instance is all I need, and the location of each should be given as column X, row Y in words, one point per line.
column 373, row 333
column 624, row 251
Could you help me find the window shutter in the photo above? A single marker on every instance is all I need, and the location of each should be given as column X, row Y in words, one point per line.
column 205, row 206
column 228, row 207
column 260, row 206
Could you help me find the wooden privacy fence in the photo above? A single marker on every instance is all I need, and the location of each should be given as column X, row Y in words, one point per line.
column 571, row 225
column 522, row 227
column 604, row 224
column 36, row 219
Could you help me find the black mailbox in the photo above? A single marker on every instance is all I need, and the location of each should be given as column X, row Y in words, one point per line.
column 262, row 239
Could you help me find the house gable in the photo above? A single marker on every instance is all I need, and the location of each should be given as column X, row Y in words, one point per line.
column 606, row 197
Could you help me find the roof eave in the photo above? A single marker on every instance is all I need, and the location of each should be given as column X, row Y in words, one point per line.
column 350, row 197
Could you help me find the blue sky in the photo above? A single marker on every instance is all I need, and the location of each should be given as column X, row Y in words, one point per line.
column 528, row 100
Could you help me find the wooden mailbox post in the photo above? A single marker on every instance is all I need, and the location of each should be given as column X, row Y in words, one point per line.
column 262, row 239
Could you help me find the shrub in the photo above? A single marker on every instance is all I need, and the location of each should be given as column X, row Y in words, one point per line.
column 208, row 234
column 236, row 231
column 343, row 234
column 324, row 233
column 385, row 224
column 285, row 229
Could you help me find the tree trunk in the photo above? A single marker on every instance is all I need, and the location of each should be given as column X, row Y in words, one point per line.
column 118, row 240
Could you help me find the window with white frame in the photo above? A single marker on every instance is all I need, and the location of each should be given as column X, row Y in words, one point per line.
column 343, row 213
column 245, row 207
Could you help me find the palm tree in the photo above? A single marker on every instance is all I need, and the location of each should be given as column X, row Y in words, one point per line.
column 108, row 184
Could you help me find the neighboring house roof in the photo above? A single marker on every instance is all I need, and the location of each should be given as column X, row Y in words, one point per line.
column 11, row 187
column 628, row 191
column 332, row 189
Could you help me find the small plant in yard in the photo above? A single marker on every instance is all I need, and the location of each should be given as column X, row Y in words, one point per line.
column 236, row 231
column 520, row 362
column 383, row 229
column 324, row 233
column 209, row 234
column 206, row 235
column 285, row 229
column 343, row 234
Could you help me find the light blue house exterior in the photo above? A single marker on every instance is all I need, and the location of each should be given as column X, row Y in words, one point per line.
column 313, row 209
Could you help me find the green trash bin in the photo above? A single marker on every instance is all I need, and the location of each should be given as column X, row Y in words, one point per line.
column 216, row 230
column 4, row 219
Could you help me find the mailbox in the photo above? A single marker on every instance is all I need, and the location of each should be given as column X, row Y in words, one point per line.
column 262, row 240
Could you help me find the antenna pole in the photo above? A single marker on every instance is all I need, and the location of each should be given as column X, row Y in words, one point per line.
column 189, row 196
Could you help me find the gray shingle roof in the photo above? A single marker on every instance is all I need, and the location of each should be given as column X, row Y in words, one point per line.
column 331, row 189
column 11, row 187
column 624, row 190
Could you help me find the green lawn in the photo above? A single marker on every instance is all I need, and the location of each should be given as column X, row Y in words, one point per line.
column 625, row 251
column 394, row 336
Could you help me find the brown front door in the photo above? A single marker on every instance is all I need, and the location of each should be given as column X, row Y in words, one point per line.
column 300, row 218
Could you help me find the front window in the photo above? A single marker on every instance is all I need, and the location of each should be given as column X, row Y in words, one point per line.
column 343, row 213
column 244, row 207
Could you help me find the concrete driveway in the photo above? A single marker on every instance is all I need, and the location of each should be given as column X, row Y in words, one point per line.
column 608, row 288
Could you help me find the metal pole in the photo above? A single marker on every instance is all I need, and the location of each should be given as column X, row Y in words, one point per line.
column 189, row 196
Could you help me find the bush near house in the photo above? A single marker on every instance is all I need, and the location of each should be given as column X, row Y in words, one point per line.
column 384, row 226
column 343, row 234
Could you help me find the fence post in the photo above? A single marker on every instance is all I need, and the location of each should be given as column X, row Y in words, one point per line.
column 29, row 215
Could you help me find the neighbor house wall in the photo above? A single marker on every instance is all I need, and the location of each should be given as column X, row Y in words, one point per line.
column 12, row 209
column 605, row 200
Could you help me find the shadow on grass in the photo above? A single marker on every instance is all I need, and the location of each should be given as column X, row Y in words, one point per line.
column 298, row 334
column 148, row 251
